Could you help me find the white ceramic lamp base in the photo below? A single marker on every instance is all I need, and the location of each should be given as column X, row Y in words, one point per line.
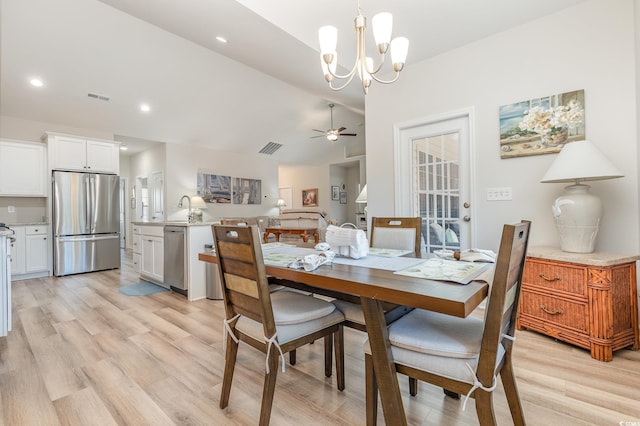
column 577, row 214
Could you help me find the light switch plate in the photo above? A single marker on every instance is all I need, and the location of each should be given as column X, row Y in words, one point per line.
column 499, row 194
column 11, row 209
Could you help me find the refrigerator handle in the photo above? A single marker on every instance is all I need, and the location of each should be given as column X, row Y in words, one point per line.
column 87, row 210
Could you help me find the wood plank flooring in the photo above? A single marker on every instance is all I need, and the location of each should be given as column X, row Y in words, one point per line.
column 82, row 353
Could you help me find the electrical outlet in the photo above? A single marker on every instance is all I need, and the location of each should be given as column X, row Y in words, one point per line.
column 11, row 209
column 499, row 194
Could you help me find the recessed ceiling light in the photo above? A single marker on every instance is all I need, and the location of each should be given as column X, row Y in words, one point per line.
column 145, row 108
column 123, row 148
column 36, row 82
column 221, row 39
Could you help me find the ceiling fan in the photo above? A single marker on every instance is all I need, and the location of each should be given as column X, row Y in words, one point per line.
column 332, row 134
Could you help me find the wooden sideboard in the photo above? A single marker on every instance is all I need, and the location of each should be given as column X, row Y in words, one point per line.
column 589, row 300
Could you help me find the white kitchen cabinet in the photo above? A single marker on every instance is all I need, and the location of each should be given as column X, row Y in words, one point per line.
column 137, row 248
column 23, row 167
column 5, row 285
column 30, row 252
column 152, row 253
column 18, row 251
column 83, row 154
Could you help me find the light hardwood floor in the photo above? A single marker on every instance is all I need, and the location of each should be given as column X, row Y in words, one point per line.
column 82, row 353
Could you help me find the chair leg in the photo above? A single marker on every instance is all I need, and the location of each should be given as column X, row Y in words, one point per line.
column 338, row 346
column 328, row 355
column 484, row 408
column 511, row 392
column 371, row 391
column 413, row 386
column 229, row 366
column 451, row 394
column 269, row 388
column 292, row 357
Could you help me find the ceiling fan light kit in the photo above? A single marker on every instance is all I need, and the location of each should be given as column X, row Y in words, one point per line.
column 382, row 25
column 333, row 134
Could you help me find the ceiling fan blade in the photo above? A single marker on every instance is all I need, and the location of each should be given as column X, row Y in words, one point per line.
column 319, row 136
column 348, row 134
column 321, row 131
column 341, row 129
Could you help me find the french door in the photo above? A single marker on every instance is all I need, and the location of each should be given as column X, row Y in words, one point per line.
column 433, row 160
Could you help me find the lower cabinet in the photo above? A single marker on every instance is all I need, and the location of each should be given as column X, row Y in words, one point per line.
column 30, row 252
column 152, row 253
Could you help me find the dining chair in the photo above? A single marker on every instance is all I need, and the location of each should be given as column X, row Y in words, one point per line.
column 401, row 233
column 464, row 355
column 273, row 323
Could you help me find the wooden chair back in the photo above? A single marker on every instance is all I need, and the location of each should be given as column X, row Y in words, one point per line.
column 242, row 274
column 502, row 306
column 402, row 233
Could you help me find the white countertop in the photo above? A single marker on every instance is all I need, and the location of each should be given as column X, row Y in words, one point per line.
column 174, row 223
column 595, row 258
column 28, row 224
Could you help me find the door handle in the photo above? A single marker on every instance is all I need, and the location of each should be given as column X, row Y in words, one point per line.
column 467, row 218
column 466, row 205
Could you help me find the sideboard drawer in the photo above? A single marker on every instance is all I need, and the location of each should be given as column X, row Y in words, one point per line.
column 550, row 309
column 556, row 277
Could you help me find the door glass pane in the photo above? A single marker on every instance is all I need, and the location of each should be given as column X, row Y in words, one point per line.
column 437, row 195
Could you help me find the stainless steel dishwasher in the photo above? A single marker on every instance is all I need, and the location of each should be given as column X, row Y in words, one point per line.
column 175, row 258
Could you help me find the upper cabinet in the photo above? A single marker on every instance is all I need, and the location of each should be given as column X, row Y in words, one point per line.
column 83, row 154
column 23, row 167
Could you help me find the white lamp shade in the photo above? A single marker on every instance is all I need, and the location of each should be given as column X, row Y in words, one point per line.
column 580, row 161
column 362, row 197
column 328, row 38
column 197, row 202
column 399, row 50
column 382, row 24
column 281, row 203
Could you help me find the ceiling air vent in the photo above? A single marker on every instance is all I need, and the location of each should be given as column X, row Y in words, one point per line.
column 270, row 148
column 99, row 97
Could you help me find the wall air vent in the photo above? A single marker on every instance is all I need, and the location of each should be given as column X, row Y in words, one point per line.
column 99, row 97
column 270, row 148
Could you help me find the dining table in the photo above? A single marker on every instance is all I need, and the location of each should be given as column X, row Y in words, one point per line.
column 375, row 289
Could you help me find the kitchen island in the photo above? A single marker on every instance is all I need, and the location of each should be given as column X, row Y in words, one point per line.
column 149, row 252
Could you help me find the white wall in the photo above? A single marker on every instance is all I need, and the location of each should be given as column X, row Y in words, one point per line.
column 306, row 177
column 589, row 46
column 182, row 166
column 30, row 130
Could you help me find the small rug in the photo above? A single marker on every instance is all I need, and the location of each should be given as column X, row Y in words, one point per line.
column 143, row 288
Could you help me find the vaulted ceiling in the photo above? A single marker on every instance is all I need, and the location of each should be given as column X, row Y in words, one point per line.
column 264, row 85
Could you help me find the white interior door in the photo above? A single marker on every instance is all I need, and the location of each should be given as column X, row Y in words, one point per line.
column 434, row 180
column 156, row 195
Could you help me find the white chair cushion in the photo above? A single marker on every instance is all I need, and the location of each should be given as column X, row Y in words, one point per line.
column 394, row 238
column 437, row 334
column 291, row 307
column 352, row 311
column 452, row 368
column 287, row 333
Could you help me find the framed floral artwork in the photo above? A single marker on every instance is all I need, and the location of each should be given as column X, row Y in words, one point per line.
column 310, row 197
column 541, row 125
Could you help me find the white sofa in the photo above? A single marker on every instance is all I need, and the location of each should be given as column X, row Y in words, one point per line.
column 305, row 217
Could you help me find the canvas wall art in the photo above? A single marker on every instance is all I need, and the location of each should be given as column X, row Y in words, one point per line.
column 541, row 125
column 247, row 191
column 214, row 188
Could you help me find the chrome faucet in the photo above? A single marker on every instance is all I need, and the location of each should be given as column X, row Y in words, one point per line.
column 190, row 214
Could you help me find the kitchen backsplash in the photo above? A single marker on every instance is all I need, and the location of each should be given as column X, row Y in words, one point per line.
column 23, row 210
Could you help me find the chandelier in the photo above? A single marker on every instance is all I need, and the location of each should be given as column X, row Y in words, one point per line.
column 364, row 66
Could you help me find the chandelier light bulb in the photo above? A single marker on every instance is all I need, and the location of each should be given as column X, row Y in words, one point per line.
column 399, row 49
column 328, row 38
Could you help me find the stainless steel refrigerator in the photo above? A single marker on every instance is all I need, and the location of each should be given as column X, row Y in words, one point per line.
column 86, row 227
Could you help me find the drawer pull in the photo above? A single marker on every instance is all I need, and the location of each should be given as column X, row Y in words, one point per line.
column 544, row 277
column 550, row 312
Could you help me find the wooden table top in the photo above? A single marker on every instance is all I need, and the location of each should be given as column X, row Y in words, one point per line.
column 383, row 285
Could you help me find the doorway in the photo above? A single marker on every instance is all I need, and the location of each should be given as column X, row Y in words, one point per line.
column 434, row 182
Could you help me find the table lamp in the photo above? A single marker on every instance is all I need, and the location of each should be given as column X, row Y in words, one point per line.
column 281, row 204
column 577, row 213
column 198, row 204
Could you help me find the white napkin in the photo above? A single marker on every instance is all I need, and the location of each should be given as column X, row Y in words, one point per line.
column 478, row 255
column 311, row 262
